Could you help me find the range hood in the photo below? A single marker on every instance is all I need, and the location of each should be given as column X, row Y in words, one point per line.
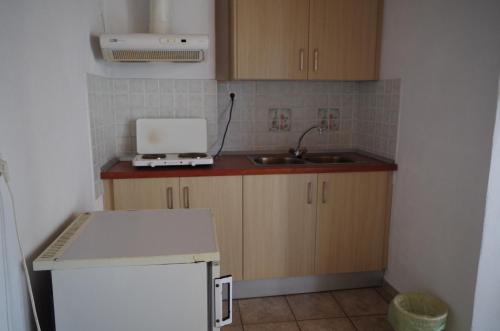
column 156, row 46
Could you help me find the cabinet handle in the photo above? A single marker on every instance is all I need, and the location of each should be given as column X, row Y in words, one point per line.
column 301, row 66
column 323, row 192
column 309, row 195
column 316, row 55
column 170, row 198
column 185, row 192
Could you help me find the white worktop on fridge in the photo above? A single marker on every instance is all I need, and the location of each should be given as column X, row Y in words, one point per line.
column 133, row 238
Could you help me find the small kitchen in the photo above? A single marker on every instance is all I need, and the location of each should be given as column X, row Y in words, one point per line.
column 254, row 165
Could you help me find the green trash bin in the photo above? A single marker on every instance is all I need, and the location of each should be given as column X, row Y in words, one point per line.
column 417, row 312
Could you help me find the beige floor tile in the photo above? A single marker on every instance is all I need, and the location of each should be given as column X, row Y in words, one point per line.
column 335, row 324
column 372, row 323
column 314, row 306
column 361, row 302
column 265, row 310
column 284, row 326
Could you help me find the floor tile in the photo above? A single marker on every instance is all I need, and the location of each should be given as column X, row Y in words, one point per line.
column 314, row 306
column 361, row 302
column 265, row 310
column 334, row 324
column 372, row 323
column 286, row 326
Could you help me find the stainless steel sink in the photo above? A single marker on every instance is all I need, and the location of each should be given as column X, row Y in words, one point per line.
column 313, row 158
column 328, row 159
column 276, row 160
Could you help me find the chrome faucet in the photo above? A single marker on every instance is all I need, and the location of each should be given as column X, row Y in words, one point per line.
column 298, row 151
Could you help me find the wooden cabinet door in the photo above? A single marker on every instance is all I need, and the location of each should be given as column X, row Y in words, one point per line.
column 279, row 225
column 147, row 193
column 344, row 39
column 353, row 220
column 223, row 195
column 270, row 39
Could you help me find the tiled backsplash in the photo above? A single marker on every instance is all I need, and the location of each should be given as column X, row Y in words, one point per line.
column 267, row 115
column 115, row 104
column 102, row 125
column 376, row 117
column 271, row 115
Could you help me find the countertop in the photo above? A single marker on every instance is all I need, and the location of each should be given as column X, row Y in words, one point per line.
column 237, row 165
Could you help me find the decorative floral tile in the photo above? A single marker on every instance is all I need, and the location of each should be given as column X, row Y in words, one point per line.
column 280, row 119
column 329, row 118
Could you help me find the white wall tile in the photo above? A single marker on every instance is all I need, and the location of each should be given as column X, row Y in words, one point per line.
column 120, row 85
column 376, row 117
column 136, row 100
column 115, row 104
column 181, row 86
column 166, row 86
column 137, row 86
column 152, row 100
column 152, row 86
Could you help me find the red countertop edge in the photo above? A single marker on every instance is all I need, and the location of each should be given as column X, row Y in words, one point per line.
column 238, row 165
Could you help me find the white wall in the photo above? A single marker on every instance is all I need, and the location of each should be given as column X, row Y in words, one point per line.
column 44, row 125
column 448, row 56
column 486, row 304
column 44, row 121
column 187, row 16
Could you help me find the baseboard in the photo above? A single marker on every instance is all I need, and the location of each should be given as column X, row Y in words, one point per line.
column 387, row 291
column 308, row 284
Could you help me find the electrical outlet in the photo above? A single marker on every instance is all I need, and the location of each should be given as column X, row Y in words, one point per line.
column 4, row 170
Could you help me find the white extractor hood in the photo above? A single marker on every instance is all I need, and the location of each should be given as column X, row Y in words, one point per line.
column 156, row 46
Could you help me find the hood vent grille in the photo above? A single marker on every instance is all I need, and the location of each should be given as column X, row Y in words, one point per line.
column 158, row 55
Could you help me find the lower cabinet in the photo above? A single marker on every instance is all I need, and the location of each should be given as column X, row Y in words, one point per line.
column 271, row 226
column 353, row 221
column 279, row 225
column 223, row 195
column 147, row 193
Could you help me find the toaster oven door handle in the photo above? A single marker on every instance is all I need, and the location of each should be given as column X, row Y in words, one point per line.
column 222, row 319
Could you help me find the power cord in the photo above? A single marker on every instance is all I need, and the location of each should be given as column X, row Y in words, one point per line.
column 21, row 250
column 232, row 96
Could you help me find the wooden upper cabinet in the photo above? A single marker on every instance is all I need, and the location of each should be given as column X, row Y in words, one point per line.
column 270, row 39
column 298, row 39
column 279, row 225
column 223, row 195
column 344, row 39
column 353, row 221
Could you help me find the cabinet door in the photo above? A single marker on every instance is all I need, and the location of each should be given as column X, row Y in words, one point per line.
column 353, row 212
column 270, row 39
column 344, row 39
column 279, row 225
column 147, row 193
column 223, row 195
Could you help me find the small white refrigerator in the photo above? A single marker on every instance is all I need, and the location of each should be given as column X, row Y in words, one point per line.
column 138, row 270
